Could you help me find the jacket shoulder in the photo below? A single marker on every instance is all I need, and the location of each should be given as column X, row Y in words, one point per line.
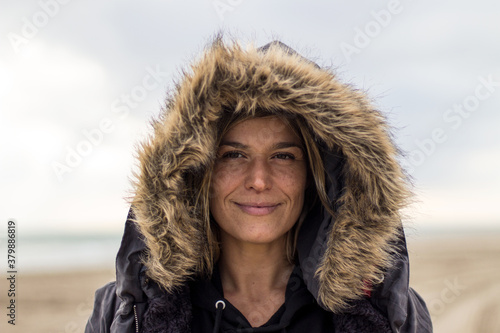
column 105, row 308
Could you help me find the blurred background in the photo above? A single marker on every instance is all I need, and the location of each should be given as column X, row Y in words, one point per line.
column 80, row 80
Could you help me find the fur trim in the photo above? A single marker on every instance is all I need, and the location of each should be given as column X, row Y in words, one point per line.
column 182, row 149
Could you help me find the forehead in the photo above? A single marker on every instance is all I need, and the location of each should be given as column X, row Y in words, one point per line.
column 260, row 130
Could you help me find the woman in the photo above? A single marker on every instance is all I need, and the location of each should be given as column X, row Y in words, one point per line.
column 267, row 200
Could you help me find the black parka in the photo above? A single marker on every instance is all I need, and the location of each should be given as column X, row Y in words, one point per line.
column 354, row 263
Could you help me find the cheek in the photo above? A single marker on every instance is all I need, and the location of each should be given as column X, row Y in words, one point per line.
column 224, row 177
column 293, row 180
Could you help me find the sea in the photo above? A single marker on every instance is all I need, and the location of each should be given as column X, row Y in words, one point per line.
column 76, row 252
column 61, row 253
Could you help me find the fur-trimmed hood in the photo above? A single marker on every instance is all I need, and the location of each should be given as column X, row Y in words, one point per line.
column 340, row 256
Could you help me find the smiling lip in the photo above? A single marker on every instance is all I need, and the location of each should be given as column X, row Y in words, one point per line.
column 257, row 209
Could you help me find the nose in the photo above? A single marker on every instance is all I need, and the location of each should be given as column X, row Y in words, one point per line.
column 258, row 175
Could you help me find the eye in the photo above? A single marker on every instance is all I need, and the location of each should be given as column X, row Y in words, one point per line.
column 232, row 155
column 284, row 156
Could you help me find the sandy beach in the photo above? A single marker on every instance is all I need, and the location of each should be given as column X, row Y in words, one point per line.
column 458, row 276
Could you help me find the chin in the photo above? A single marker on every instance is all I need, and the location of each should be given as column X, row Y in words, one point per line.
column 260, row 237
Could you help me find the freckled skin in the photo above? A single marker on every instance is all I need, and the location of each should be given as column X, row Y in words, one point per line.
column 258, row 181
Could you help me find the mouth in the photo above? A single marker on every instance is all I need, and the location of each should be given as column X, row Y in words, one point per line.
column 257, row 208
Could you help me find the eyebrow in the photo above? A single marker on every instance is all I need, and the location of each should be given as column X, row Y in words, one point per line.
column 278, row 145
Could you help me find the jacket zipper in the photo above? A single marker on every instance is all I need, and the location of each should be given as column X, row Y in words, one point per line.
column 136, row 319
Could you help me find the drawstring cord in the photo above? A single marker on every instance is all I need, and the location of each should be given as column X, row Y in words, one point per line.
column 219, row 306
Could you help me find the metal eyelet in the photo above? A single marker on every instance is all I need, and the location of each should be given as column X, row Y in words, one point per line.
column 220, row 302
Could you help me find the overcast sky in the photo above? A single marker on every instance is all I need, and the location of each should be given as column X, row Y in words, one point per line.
column 79, row 81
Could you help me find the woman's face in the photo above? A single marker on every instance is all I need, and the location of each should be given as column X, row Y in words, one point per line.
column 258, row 181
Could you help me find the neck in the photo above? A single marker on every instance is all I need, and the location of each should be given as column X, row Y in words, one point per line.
column 252, row 269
